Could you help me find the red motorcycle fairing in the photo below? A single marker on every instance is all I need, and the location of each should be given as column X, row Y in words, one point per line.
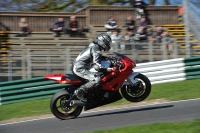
column 116, row 80
column 62, row 79
column 128, row 64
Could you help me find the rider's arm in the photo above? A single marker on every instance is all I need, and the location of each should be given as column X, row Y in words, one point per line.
column 97, row 58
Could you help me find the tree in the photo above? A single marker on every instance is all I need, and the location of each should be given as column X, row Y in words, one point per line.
column 70, row 5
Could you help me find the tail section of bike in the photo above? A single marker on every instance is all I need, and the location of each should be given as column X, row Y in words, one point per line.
column 64, row 78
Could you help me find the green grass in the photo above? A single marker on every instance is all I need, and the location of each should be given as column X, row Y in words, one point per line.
column 177, row 90
column 24, row 109
column 180, row 127
column 171, row 91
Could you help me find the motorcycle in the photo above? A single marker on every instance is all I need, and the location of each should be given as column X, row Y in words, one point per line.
column 115, row 85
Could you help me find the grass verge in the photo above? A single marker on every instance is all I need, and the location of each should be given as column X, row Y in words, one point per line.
column 180, row 127
column 171, row 91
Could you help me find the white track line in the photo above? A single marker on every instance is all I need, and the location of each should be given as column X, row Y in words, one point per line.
column 103, row 110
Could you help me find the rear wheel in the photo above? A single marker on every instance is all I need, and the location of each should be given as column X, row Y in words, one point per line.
column 139, row 91
column 60, row 109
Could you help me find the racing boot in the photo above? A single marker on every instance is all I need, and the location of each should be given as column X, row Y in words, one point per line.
column 82, row 90
column 80, row 93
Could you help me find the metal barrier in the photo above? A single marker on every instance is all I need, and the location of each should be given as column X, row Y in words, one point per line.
column 194, row 17
column 8, row 60
column 192, row 22
column 158, row 72
column 34, row 62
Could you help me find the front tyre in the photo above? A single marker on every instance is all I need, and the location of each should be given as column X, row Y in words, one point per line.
column 60, row 109
column 139, row 91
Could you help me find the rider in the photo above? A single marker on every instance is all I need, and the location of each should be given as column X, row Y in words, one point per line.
column 91, row 55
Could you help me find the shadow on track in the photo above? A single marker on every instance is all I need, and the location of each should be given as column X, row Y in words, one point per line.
column 128, row 111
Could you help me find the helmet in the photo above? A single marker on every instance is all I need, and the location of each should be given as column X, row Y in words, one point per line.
column 104, row 41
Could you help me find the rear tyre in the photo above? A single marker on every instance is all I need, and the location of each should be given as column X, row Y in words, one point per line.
column 60, row 109
column 138, row 92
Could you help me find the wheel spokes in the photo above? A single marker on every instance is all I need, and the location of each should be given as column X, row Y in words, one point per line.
column 63, row 108
column 138, row 90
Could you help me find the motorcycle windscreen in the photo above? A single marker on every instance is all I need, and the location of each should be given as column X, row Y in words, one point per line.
column 105, row 64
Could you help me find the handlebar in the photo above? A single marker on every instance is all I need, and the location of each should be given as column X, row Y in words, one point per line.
column 116, row 62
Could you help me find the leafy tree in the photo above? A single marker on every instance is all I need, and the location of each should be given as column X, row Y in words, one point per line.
column 70, row 5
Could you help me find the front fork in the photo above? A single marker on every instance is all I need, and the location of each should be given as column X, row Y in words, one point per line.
column 131, row 79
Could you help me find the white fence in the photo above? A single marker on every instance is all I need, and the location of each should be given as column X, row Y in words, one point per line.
column 170, row 70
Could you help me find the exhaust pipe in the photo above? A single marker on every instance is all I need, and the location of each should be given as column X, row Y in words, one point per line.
column 77, row 103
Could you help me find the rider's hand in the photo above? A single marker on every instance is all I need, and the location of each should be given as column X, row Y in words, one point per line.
column 110, row 69
column 114, row 69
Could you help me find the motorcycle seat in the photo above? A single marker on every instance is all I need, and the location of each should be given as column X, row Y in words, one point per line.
column 71, row 77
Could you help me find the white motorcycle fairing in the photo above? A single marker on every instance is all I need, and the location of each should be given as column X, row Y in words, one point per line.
column 131, row 78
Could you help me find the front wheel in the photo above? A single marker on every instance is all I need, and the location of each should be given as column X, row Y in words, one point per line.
column 60, row 109
column 139, row 91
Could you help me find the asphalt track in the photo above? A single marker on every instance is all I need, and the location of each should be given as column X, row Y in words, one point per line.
column 107, row 119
